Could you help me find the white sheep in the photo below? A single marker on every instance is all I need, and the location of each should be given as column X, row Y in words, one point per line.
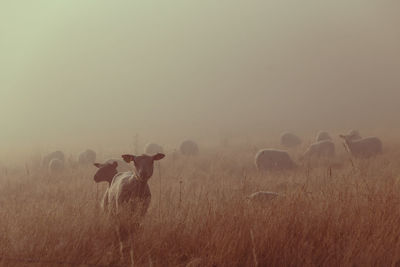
column 128, row 193
column 87, row 157
column 53, row 155
column 273, row 159
column 262, row 197
column 152, row 149
column 56, row 165
column 324, row 148
column 363, row 148
column 189, row 148
column 125, row 186
column 290, row 140
column 322, row 135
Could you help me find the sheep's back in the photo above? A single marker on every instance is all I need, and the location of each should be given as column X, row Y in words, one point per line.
column 270, row 159
column 366, row 147
column 126, row 189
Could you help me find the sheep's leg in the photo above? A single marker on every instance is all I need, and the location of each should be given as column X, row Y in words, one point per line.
column 126, row 234
column 123, row 235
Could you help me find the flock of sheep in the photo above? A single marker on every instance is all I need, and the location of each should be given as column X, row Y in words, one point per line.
column 56, row 161
column 118, row 173
column 128, row 191
column 125, row 184
column 323, row 147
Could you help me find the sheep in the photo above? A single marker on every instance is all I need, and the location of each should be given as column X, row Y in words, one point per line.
column 363, row 148
column 53, row 155
column 128, row 188
column 273, row 159
column 290, row 140
column 128, row 193
column 105, row 173
column 262, row 197
column 189, row 148
column 87, row 157
column 56, row 165
column 152, row 148
column 322, row 135
column 324, row 148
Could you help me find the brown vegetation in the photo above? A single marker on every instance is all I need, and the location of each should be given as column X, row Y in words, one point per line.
column 347, row 216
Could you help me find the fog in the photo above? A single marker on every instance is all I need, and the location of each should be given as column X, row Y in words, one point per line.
column 93, row 72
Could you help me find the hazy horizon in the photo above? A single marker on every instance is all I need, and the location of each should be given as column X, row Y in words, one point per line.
column 92, row 72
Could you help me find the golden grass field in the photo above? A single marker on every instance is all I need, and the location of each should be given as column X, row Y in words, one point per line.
column 341, row 213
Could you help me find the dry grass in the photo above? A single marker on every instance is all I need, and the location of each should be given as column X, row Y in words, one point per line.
column 345, row 216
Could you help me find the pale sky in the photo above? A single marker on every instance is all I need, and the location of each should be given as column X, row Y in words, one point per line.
column 88, row 70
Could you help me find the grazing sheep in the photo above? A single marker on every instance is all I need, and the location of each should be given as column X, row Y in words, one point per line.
column 323, row 136
column 53, row 155
column 87, row 157
column 262, row 197
column 56, row 165
column 363, row 148
column 325, row 148
column 273, row 159
column 152, row 149
column 354, row 135
column 290, row 140
column 128, row 193
column 189, row 148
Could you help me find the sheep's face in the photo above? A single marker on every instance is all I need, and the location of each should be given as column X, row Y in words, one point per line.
column 144, row 164
column 106, row 171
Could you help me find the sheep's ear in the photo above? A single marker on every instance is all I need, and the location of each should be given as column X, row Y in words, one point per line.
column 98, row 165
column 158, row 156
column 128, row 158
column 114, row 164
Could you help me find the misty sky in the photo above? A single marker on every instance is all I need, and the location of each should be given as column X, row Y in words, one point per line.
column 76, row 70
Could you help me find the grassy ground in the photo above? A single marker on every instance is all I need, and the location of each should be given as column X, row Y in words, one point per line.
column 343, row 213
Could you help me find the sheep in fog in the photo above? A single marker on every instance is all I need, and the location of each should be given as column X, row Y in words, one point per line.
column 324, row 148
column 56, row 165
column 128, row 192
column 87, row 157
column 290, row 140
column 127, row 186
column 262, row 197
column 53, row 155
column 189, row 148
column 152, row 149
column 364, row 147
column 273, row 159
column 322, row 135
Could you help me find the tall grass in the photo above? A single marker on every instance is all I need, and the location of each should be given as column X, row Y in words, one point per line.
column 343, row 215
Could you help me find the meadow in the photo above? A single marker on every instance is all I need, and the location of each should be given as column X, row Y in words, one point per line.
column 344, row 212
